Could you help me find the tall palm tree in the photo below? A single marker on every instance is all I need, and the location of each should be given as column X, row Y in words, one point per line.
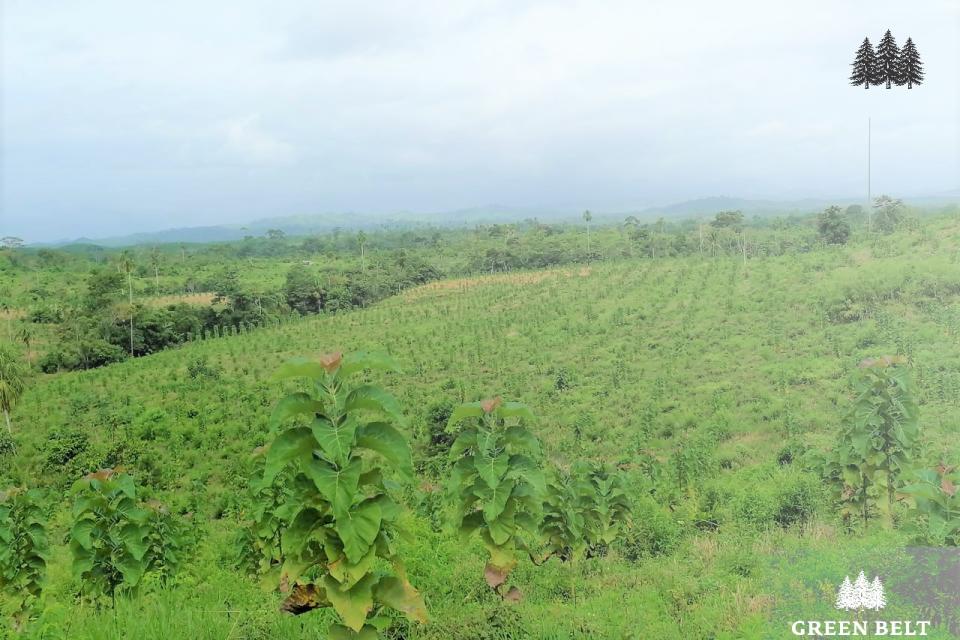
column 12, row 382
column 25, row 336
column 125, row 264
column 155, row 263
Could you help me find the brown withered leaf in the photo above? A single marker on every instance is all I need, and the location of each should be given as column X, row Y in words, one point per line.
column 304, row 598
column 331, row 361
column 490, row 405
column 513, row 595
column 882, row 362
column 948, row 487
column 102, row 475
column 495, row 576
column 943, row 469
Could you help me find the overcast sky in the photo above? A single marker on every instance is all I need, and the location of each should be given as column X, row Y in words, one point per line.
column 123, row 116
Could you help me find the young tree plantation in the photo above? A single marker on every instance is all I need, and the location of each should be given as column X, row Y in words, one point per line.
column 495, row 432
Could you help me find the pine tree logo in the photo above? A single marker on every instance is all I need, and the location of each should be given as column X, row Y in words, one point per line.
column 864, row 66
column 861, row 594
column 888, row 60
column 887, row 65
column 910, row 68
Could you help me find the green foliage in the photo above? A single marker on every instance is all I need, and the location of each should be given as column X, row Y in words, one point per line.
column 108, row 539
column 889, row 214
column 341, row 516
column 877, row 441
column 302, row 291
column 167, row 542
column 833, row 227
column 13, row 376
column 496, row 481
column 23, row 549
column 583, row 511
column 728, row 220
column 936, row 505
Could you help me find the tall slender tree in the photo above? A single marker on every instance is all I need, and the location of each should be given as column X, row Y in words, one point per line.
column 155, row 259
column 910, row 71
column 362, row 241
column 125, row 265
column 12, row 382
column 587, row 217
column 888, row 60
column 864, row 66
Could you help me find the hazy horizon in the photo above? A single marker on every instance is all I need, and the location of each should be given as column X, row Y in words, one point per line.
column 119, row 119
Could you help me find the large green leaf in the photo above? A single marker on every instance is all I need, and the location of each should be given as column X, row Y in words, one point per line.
column 335, row 439
column 468, row 410
column 358, row 528
column 293, row 444
column 305, row 526
column 400, row 595
column 295, row 404
column 353, row 604
column 300, row 368
column 526, row 469
column 466, row 440
column 389, row 443
column 372, row 398
column 515, row 409
column 81, row 530
column 521, row 440
column 495, row 499
column 83, row 560
column 492, row 468
column 130, row 567
column 360, row 360
column 134, row 539
column 340, row 632
column 349, row 573
column 503, row 528
column 470, row 523
column 337, row 484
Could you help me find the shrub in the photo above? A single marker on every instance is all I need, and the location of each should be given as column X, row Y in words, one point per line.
column 651, row 532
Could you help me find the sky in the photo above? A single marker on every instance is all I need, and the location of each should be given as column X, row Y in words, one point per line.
column 120, row 116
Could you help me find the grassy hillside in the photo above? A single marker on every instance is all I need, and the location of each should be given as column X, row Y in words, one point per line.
column 712, row 382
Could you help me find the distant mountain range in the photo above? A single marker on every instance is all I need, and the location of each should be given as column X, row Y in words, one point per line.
column 301, row 225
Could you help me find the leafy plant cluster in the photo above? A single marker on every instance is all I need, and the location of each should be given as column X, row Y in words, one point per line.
column 114, row 540
column 339, row 519
column 23, row 550
column 501, row 494
column 877, row 442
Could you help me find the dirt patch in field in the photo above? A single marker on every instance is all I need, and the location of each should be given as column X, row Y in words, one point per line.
column 199, row 299
column 12, row 314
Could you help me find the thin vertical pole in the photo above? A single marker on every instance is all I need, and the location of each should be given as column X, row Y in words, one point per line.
column 869, row 194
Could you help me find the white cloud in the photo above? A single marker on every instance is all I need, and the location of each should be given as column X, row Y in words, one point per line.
column 246, row 140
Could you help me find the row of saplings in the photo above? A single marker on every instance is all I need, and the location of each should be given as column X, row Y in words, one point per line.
column 324, row 515
column 114, row 541
column 322, row 510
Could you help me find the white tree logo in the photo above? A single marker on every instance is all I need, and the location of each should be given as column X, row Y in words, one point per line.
column 861, row 594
